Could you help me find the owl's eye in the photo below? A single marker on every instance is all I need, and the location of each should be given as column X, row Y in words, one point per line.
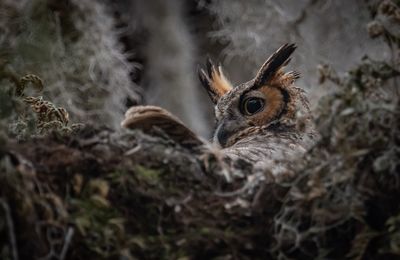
column 252, row 105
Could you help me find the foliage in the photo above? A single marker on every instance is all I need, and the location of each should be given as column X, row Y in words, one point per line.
column 24, row 124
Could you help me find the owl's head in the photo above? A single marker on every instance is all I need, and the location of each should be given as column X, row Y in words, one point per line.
column 260, row 103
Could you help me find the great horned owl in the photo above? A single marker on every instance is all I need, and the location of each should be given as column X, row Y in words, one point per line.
column 255, row 121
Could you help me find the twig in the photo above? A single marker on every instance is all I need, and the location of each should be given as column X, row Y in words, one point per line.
column 68, row 238
column 133, row 150
column 10, row 225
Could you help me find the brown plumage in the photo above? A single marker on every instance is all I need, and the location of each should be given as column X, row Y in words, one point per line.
column 255, row 121
column 147, row 118
column 214, row 81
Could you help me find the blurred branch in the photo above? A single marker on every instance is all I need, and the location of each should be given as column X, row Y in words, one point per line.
column 10, row 225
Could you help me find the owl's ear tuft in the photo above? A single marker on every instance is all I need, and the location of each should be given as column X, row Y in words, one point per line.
column 271, row 69
column 214, row 81
column 285, row 79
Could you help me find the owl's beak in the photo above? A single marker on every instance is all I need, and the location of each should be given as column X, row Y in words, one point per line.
column 223, row 132
column 220, row 136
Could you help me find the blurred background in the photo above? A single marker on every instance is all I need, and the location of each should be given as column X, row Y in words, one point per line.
column 98, row 57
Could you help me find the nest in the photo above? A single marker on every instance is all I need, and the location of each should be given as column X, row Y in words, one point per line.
column 103, row 194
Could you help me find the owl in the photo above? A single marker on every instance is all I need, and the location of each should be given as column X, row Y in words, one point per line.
column 263, row 121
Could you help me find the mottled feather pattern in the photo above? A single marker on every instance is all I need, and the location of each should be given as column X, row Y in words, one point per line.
column 147, row 118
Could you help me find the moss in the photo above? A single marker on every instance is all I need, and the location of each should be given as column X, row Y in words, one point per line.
column 73, row 47
column 149, row 176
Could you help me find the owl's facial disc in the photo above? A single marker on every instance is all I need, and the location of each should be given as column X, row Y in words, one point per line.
column 264, row 105
column 255, row 108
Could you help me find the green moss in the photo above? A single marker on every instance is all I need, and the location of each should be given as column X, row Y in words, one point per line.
column 149, row 176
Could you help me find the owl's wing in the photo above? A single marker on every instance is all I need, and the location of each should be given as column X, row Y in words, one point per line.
column 147, row 117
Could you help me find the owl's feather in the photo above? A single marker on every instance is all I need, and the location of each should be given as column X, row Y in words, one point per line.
column 214, row 81
column 273, row 65
column 147, row 117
